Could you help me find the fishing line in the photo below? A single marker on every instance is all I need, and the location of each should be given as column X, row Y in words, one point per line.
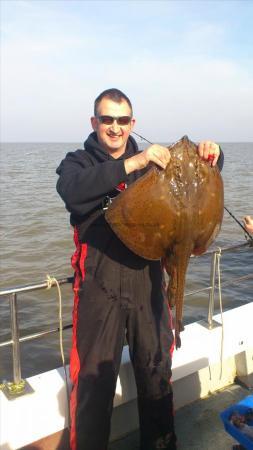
column 229, row 212
column 142, row 137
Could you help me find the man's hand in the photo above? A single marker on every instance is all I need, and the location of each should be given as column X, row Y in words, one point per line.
column 156, row 153
column 209, row 151
column 248, row 223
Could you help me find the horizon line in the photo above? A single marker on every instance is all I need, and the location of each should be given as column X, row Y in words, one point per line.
column 140, row 141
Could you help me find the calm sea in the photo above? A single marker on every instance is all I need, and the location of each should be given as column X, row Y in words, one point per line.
column 36, row 240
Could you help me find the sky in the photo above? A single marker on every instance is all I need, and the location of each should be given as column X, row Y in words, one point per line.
column 187, row 67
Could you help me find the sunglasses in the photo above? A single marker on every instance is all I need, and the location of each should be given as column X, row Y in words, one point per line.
column 108, row 120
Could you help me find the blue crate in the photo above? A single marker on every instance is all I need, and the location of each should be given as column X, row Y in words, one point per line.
column 241, row 407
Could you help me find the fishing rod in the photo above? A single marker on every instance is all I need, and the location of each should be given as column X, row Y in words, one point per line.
column 239, row 223
column 229, row 212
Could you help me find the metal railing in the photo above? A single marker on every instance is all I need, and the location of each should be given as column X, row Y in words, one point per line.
column 11, row 293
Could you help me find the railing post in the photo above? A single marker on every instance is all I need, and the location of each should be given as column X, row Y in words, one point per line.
column 211, row 293
column 15, row 340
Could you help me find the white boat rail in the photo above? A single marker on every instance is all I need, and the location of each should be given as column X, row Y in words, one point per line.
column 12, row 295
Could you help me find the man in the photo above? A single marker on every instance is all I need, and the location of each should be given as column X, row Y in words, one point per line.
column 248, row 223
column 117, row 294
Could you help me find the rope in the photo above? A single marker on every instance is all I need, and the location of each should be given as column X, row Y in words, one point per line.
column 218, row 257
column 51, row 281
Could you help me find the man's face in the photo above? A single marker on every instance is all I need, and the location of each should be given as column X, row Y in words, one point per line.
column 112, row 137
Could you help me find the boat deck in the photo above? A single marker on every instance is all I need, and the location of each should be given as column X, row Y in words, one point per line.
column 198, row 426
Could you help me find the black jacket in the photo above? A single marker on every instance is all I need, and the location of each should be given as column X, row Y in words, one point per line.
column 88, row 176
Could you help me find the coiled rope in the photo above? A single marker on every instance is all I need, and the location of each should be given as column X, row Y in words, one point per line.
column 51, row 281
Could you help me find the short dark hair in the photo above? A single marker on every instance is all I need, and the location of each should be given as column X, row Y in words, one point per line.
column 113, row 94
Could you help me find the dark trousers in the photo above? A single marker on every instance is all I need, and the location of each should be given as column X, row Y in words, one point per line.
column 129, row 303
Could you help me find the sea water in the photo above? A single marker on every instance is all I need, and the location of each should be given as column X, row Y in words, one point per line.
column 37, row 240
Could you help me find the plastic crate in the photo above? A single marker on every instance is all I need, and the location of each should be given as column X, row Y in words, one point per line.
column 241, row 407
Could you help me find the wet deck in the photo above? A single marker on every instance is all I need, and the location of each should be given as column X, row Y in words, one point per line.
column 198, row 426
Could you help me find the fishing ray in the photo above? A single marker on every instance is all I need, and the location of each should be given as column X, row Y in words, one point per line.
column 170, row 214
